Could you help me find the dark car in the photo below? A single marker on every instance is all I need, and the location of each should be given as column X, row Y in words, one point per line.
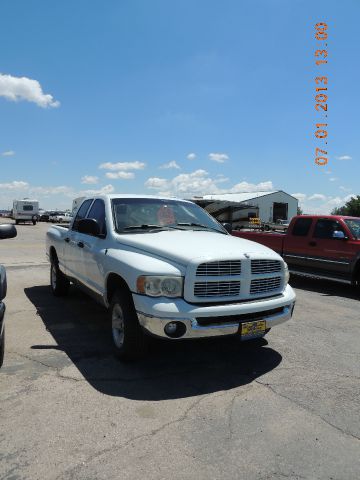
column 6, row 231
column 44, row 217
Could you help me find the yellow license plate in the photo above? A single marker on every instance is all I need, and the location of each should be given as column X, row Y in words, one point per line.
column 253, row 329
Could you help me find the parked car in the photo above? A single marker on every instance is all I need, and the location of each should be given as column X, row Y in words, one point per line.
column 279, row 225
column 6, row 231
column 165, row 268
column 44, row 217
column 60, row 217
column 321, row 246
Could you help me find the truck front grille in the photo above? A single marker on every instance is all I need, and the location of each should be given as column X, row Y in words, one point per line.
column 216, row 289
column 263, row 285
column 220, row 268
column 265, row 266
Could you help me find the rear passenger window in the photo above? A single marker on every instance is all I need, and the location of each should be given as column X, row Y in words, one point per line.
column 97, row 212
column 81, row 213
column 302, row 227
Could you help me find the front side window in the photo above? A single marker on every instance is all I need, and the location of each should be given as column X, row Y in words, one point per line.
column 354, row 226
column 97, row 212
column 28, row 208
column 81, row 213
column 302, row 227
column 325, row 228
column 136, row 215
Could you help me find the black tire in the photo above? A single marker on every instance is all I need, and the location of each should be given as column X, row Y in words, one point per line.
column 2, row 347
column 58, row 282
column 16, row 222
column 130, row 342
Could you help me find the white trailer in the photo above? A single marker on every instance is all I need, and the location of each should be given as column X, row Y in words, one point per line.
column 76, row 204
column 26, row 211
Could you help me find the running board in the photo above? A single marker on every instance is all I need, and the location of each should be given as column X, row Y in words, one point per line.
column 322, row 277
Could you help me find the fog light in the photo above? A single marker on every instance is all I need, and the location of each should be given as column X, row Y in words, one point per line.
column 175, row 329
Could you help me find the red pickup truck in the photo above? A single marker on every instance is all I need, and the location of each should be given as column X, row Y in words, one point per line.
column 322, row 246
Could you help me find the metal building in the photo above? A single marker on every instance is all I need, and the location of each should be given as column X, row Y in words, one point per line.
column 272, row 206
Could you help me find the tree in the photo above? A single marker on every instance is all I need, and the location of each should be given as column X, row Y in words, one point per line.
column 300, row 211
column 351, row 208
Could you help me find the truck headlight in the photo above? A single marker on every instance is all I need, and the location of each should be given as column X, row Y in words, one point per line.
column 287, row 274
column 160, row 286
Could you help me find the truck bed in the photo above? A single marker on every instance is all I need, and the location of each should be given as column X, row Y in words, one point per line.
column 273, row 240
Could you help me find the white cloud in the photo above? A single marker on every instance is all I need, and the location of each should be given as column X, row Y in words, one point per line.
column 171, row 164
column 191, row 156
column 318, row 196
column 300, row 196
column 16, row 184
column 252, row 187
column 345, row 189
column 23, row 88
column 107, row 189
column 123, row 166
column 156, row 183
column 199, row 182
column 122, row 175
column 89, row 179
column 218, row 157
column 320, row 204
column 332, row 179
column 8, row 153
column 344, row 157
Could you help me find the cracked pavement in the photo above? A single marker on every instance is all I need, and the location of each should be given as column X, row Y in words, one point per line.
column 285, row 408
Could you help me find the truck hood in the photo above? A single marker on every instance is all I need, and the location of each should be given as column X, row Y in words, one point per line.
column 184, row 246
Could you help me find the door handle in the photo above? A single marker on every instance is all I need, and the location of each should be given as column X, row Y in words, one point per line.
column 312, row 244
column 67, row 239
column 80, row 244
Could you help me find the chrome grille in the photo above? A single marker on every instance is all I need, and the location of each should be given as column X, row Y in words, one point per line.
column 265, row 266
column 263, row 285
column 216, row 289
column 220, row 268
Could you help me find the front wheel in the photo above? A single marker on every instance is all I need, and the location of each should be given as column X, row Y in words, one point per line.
column 2, row 347
column 58, row 282
column 129, row 340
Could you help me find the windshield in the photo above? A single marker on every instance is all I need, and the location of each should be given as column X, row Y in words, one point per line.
column 136, row 215
column 354, row 226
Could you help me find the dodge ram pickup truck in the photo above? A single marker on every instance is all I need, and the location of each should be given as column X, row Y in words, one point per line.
column 321, row 246
column 164, row 267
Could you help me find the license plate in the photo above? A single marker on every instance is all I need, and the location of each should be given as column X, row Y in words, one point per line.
column 250, row 330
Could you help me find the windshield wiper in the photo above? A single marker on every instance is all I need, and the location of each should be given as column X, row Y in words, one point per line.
column 202, row 226
column 143, row 227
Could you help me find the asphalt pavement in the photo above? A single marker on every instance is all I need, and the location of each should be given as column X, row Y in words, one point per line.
column 286, row 408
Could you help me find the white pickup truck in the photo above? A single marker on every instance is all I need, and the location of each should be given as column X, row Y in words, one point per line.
column 164, row 267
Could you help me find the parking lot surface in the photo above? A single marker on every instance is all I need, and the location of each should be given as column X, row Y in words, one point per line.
column 287, row 408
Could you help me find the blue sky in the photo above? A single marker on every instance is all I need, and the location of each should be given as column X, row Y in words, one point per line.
column 178, row 97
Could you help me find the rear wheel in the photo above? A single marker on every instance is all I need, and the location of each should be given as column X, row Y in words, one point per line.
column 129, row 340
column 58, row 282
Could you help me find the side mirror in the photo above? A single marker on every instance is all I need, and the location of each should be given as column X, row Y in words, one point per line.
column 227, row 227
column 89, row 226
column 339, row 235
column 7, row 231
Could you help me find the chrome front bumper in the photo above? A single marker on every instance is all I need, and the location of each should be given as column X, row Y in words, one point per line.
column 173, row 311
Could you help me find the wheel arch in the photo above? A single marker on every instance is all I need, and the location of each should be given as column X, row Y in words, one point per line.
column 356, row 273
column 53, row 255
column 115, row 282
